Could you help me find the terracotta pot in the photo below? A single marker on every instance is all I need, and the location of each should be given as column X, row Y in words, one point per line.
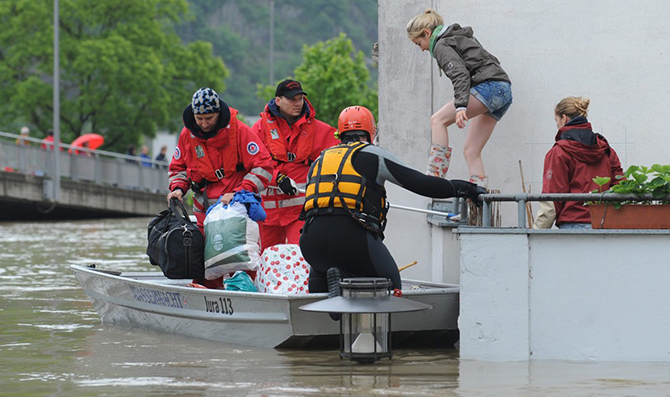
column 630, row 216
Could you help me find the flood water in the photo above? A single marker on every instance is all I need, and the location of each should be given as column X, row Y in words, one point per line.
column 52, row 343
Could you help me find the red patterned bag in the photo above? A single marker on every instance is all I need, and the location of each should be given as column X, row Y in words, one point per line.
column 283, row 270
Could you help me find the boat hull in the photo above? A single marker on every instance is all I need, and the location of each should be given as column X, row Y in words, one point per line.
column 149, row 300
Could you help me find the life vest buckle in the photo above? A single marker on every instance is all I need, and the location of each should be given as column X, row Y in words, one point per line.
column 290, row 156
column 219, row 173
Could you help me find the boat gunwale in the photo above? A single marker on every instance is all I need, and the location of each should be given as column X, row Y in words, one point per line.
column 156, row 279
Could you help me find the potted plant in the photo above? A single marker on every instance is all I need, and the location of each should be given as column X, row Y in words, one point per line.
column 653, row 213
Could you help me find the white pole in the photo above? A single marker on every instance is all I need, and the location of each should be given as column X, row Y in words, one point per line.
column 56, row 101
column 272, row 42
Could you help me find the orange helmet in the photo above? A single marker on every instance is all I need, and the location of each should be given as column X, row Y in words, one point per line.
column 357, row 118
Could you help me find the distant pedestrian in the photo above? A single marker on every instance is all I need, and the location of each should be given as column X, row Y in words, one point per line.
column 146, row 158
column 482, row 91
column 25, row 131
column 48, row 141
column 161, row 158
column 130, row 151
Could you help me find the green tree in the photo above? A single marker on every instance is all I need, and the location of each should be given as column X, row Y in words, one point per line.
column 240, row 33
column 124, row 71
column 335, row 76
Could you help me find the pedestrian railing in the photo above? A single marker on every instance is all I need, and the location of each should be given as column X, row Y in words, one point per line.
column 82, row 164
column 522, row 198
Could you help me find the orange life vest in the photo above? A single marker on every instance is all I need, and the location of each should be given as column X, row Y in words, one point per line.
column 227, row 150
column 276, row 142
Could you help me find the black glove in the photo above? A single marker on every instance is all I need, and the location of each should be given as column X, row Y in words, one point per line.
column 287, row 185
column 468, row 190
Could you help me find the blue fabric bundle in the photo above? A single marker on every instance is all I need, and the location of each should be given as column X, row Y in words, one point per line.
column 252, row 201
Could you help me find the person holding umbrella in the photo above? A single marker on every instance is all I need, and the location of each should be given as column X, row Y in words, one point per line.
column 89, row 141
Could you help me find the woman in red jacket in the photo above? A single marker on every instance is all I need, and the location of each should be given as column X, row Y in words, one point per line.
column 578, row 156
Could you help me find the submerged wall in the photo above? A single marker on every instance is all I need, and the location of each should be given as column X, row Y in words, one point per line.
column 593, row 295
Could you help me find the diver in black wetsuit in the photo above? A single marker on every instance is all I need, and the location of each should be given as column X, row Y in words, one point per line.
column 345, row 205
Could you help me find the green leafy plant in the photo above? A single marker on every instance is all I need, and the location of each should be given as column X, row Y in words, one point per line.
column 640, row 180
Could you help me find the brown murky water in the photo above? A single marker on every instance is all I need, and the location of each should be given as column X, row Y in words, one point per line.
column 52, row 342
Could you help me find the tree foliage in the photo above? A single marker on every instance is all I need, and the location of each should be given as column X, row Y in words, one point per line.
column 240, row 33
column 123, row 70
column 335, row 76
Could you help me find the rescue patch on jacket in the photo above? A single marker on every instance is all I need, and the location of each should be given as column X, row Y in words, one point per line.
column 252, row 148
column 177, row 153
column 199, row 151
column 274, row 134
column 549, row 174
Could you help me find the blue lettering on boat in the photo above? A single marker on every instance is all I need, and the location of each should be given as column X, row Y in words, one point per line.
column 157, row 297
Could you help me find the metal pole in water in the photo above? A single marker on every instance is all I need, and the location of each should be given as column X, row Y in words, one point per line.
column 272, row 42
column 56, row 100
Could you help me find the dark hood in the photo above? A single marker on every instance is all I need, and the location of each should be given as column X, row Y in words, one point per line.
column 578, row 139
column 189, row 122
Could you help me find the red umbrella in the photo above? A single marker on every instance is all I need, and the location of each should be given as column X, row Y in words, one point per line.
column 94, row 141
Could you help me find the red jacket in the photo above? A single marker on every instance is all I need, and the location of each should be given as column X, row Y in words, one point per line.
column 251, row 170
column 578, row 156
column 306, row 138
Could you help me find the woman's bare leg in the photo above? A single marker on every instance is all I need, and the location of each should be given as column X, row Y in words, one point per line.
column 439, row 122
column 481, row 129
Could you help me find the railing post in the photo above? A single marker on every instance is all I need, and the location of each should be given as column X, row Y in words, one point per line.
column 465, row 215
column 119, row 173
column 73, row 167
column 140, row 170
column 97, row 172
column 22, row 158
column 522, row 213
column 486, row 214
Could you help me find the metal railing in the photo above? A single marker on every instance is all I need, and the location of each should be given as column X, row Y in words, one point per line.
column 522, row 198
column 82, row 164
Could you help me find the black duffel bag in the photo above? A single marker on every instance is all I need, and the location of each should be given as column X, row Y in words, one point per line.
column 176, row 244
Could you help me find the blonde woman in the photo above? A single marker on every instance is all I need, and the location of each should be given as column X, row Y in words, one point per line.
column 482, row 91
column 576, row 158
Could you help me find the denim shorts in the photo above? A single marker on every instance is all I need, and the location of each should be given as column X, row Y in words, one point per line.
column 495, row 95
column 575, row 226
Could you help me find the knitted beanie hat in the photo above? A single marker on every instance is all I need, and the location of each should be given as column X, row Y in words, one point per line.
column 205, row 100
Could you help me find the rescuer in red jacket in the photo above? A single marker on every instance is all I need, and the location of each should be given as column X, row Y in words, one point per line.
column 216, row 156
column 294, row 138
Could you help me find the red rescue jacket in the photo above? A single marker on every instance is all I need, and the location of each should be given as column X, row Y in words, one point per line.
column 231, row 160
column 305, row 139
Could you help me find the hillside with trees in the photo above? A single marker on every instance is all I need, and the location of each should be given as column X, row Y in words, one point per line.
column 239, row 31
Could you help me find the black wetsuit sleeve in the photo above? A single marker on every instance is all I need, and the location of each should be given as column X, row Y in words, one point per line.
column 379, row 165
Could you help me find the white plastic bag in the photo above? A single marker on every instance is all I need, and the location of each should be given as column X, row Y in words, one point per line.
column 283, row 270
column 231, row 240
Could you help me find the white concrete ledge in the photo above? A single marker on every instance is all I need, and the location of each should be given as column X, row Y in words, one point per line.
column 563, row 295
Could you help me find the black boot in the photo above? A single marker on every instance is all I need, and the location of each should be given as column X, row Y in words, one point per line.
column 333, row 276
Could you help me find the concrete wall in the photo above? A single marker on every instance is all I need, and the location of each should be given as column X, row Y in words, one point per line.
column 22, row 197
column 595, row 295
column 614, row 52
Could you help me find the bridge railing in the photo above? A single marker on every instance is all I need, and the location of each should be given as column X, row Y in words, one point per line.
column 26, row 155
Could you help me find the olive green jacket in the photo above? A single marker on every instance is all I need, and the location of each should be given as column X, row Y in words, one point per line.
column 460, row 55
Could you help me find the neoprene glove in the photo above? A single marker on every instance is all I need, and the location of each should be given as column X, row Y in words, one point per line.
column 287, row 185
column 468, row 190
